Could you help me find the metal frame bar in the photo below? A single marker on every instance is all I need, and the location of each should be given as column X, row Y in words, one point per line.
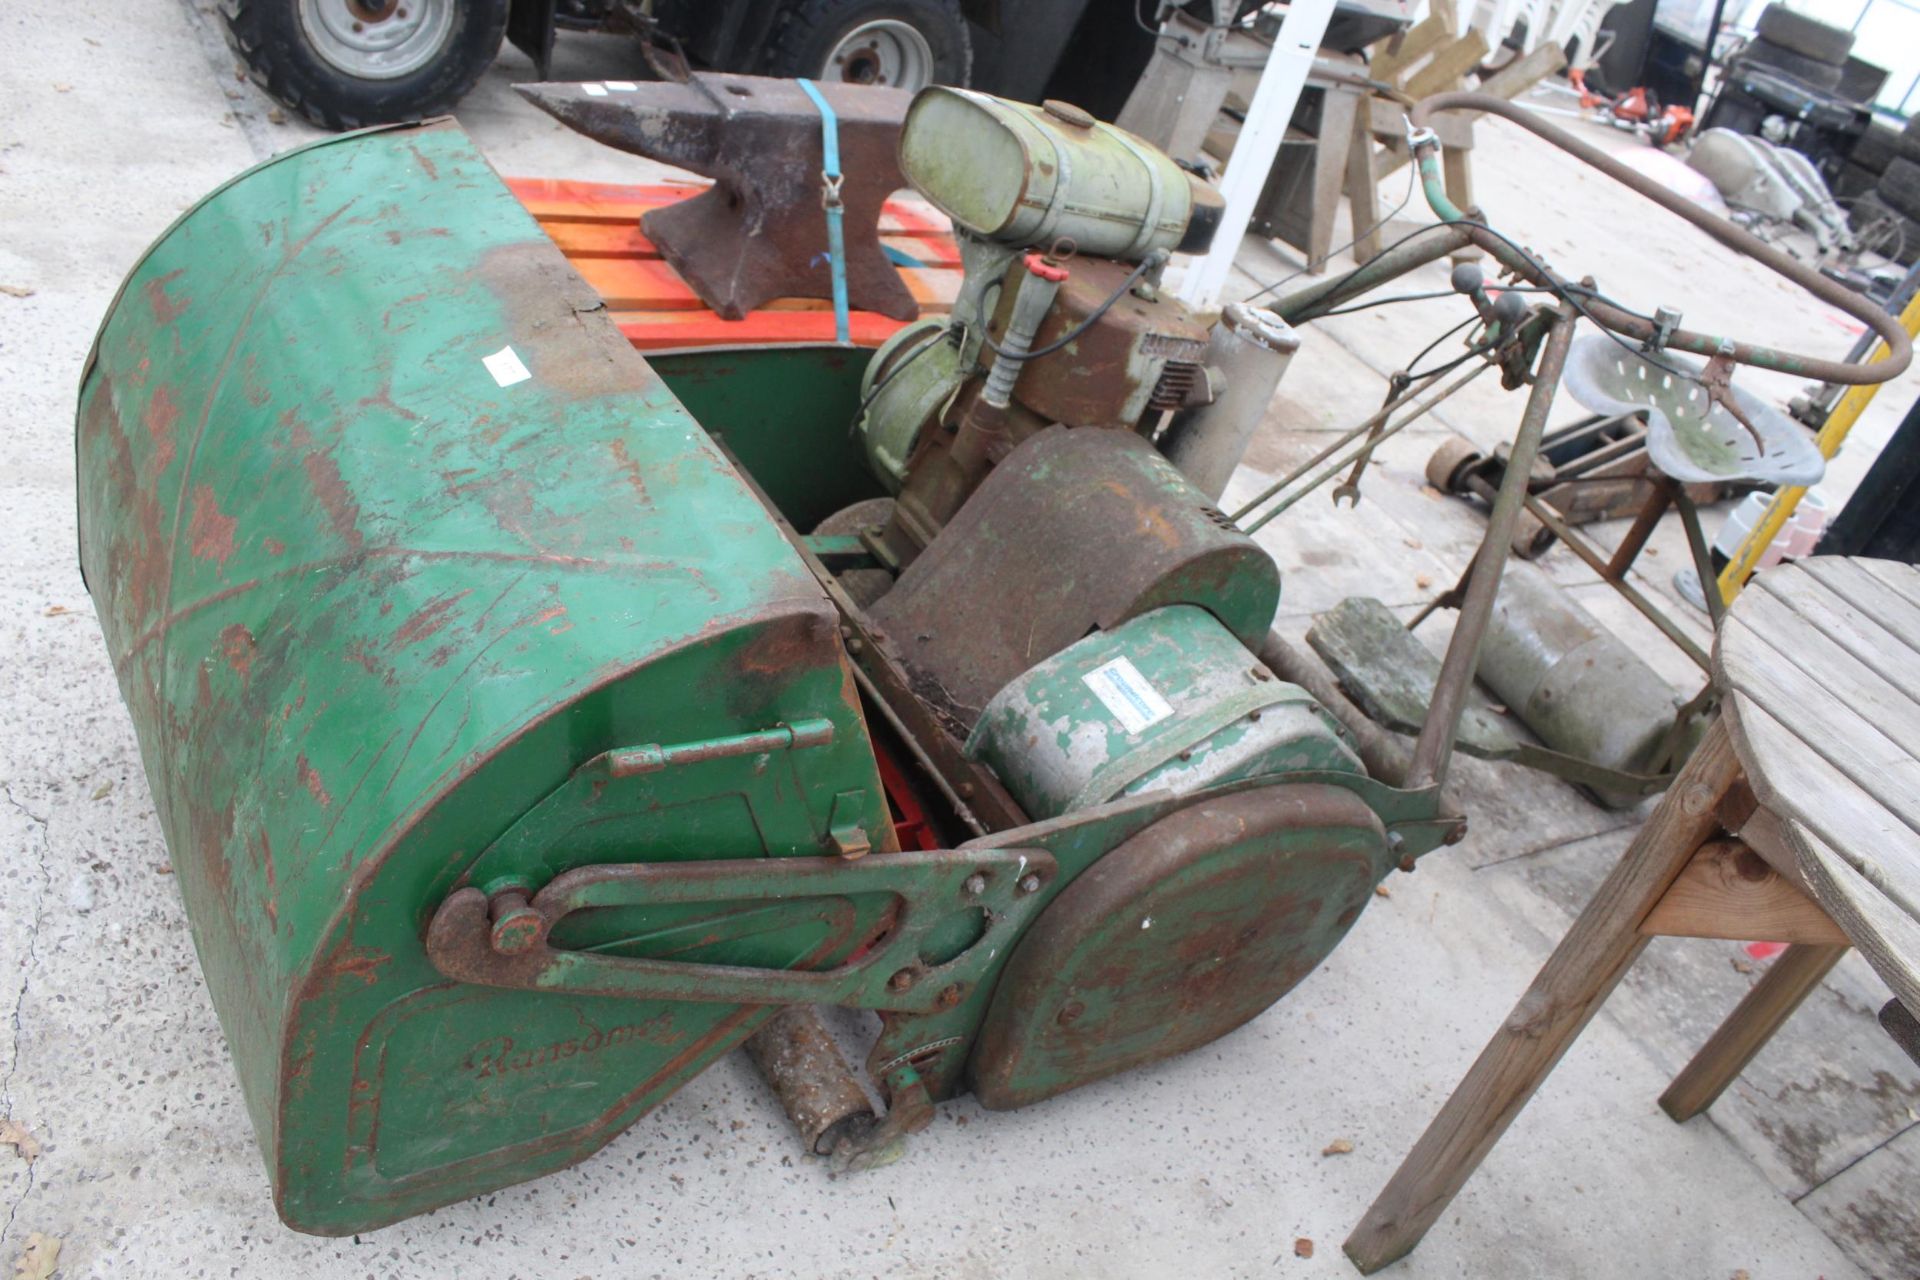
column 1294, row 47
column 1434, row 750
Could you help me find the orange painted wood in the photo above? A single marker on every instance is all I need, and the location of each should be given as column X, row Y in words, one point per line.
column 648, row 284
column 597, row 226
column 660, row 330
column 564, row 199
column 626, row 239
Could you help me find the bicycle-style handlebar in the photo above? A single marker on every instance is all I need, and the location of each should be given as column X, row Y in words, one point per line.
column 1426, row 150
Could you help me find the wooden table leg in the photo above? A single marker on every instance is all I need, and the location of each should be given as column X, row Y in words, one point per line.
column 1569, row 989
column 1797, row 971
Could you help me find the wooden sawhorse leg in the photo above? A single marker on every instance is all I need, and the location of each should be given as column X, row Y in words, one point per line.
column 1576, row 980
column 1340, row 118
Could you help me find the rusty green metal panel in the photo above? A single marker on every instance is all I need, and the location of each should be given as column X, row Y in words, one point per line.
column 1169, row 700
column 372, row 599
column 784, row 414
column 1180, row 934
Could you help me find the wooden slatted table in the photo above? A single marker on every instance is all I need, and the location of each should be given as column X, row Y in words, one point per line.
column 1797, row 820
column 597, row 225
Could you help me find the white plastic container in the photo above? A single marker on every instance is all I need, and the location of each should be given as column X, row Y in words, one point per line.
column 1808, row 523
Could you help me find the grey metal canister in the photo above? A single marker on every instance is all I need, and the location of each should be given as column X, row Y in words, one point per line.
column 1247, row 353
column 1570, row 680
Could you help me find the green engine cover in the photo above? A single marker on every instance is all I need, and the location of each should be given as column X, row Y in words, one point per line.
column 390, row 533
column 1167, row 701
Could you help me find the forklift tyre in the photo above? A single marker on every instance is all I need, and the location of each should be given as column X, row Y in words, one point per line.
column 347, row 63
column 1879, row 144
column 1876, row 223
column 1899, row 186
column 1781, row 26
column 907, row 44
column 1808, row 71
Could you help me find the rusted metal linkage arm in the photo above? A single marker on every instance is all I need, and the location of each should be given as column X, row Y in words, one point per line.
column 1434, row 749
column 1382, row 752
column 1376, row 423
column 1426, row 151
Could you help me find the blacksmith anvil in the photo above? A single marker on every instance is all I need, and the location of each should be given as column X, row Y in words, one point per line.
column 760, row 231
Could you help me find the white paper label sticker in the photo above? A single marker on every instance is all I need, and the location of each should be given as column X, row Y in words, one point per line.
column 506, row 367
column 595, row 90
column 622, row 86
column 1126, row 693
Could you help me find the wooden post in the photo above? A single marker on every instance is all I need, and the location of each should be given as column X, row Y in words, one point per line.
column 1792, row 976
column 1363, row 190
column 1331, row 162
column 1576, row 980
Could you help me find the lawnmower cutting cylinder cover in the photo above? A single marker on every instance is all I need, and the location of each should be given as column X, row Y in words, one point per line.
column 519, row 754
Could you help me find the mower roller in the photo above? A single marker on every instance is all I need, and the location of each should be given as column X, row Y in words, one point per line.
column 521, row 748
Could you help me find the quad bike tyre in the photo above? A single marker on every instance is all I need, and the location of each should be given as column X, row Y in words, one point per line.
column 906, row 44
column 347, row 63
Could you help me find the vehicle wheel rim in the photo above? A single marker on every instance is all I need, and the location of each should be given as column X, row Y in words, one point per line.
column 377, row 39
column 885, row 51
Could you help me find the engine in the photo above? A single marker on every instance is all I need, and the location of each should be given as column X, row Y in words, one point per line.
column 1065, row 226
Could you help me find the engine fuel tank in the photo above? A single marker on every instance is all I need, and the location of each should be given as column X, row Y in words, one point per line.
column 395, row 543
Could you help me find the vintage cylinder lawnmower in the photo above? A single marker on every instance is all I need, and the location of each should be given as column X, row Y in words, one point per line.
column 519, row 754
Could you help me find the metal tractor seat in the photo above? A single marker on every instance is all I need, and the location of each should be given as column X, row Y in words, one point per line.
column 1691, row 438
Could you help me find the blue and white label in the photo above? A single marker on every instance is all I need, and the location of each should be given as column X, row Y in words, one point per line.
column 1127, row 695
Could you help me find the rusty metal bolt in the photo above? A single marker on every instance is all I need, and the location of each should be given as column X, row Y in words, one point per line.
column 966, row 790
column 1070, row 1013
column 1029, row 884
column 901, row 980
column 976, row 885
column 517, row 927
column 951, row 996
column 1455, row 833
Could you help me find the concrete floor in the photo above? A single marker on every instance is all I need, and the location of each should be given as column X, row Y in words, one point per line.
column 117, row 117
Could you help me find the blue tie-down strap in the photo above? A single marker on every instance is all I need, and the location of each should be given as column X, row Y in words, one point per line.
column 830, row 201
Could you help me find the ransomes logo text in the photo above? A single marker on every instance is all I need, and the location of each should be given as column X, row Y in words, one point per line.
column 499, row 1055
